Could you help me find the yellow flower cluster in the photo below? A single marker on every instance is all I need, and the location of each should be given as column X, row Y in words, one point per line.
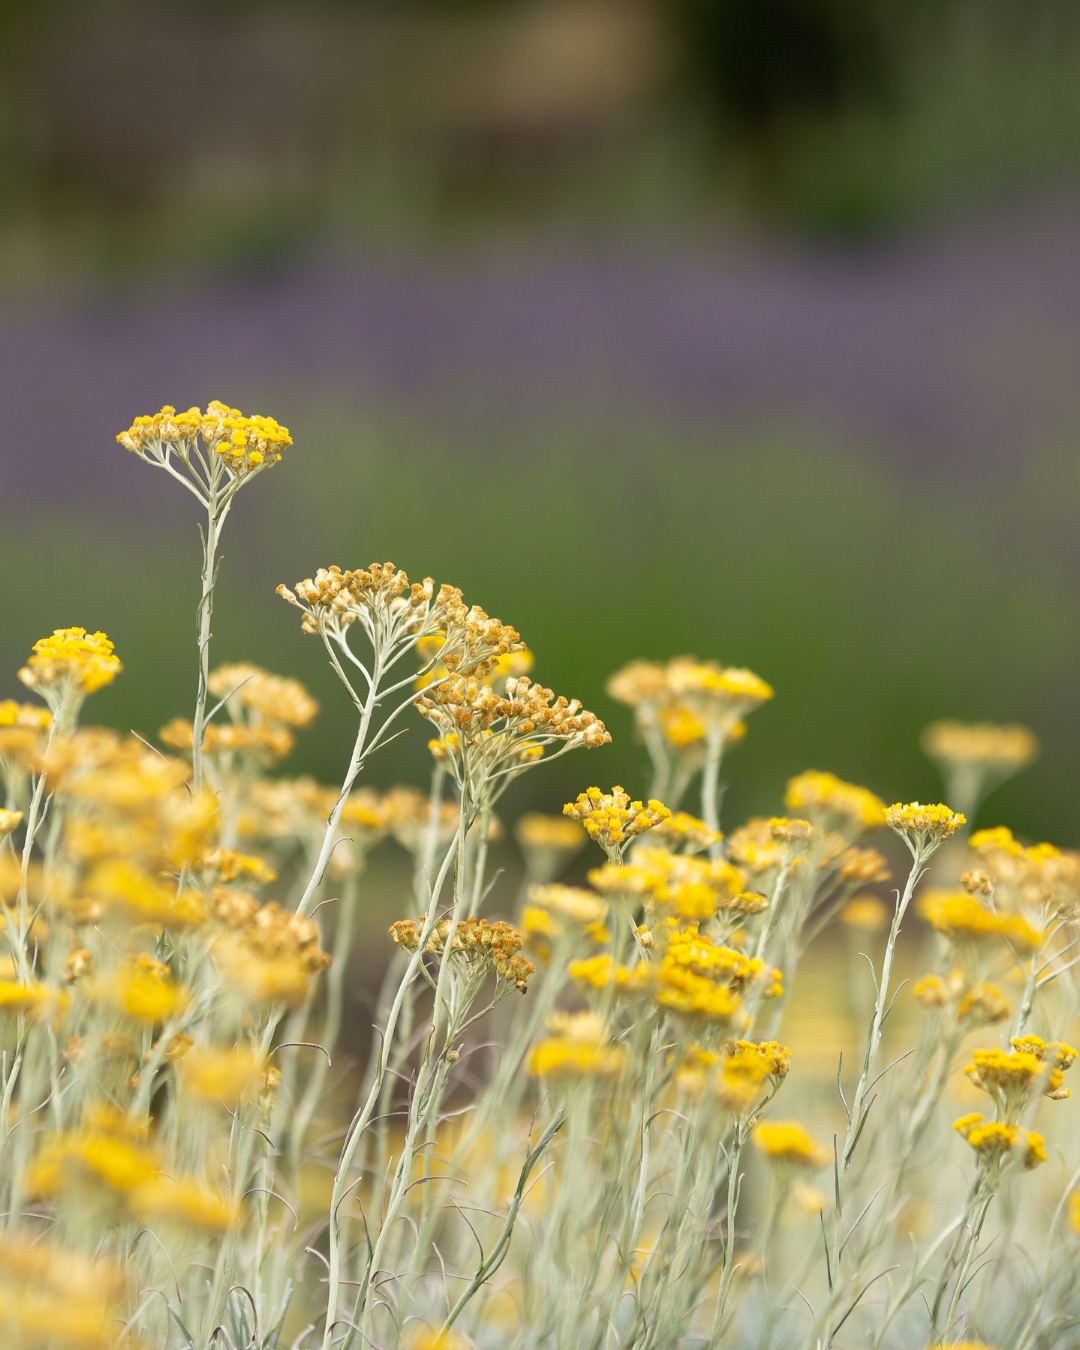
column 409, row 815
column 611, row 818
column 687, row 698
column 961, row 918
column 552, row 905
column 266, row 697
column 111, row 1157
column 978, row 1004
column 265, row 952
column 921, row 827
column 72, row 658
column 1022, row 877
column 831, row 804
column 579, row 1048
column 788, row 1144
column 243, row 443
column 495, row 946
column 993, row 1140
column 693, row 976
column 690, row 887
column 981, row 744
column 481, row 731
column 688, row 831
column 864, row 866
column 866, row 912
column 1009, row 1075
column 50, row 1296
column 744, row 1070
column 225, row 1075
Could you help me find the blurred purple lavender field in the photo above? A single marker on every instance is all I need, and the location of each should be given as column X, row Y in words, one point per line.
column 866, row 457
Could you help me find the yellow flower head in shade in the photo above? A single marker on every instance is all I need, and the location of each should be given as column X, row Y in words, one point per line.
column 718, row 696
column 483, row 946
column 866, row 912
column 216, row 1074
column 144, row 990
column 746, row 1068
column 681, row 727
column 786, row 1142
column 555, row 834
column 993, row 1140
column 831, row 804
column 243, row 444
column 272, row 698
column 688, row 831
column 923, row 828
column 984, row 745
column 9, row 820
column 864, row 866
column 578, row 1048
column 72, row 657
column 573, row 904
column 611, row 818
column 50, row 1296
column 961, row 918
column 977, row 1004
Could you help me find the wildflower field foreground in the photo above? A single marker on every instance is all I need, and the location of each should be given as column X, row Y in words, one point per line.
column 571, row 1129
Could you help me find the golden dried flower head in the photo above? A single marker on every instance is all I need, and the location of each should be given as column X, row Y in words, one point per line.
column 1009, row 1075
column 975, row 1004
column 681, row 728
column 831, row 804
column 71, row 658
column 261, row 743
column 611, row 818
column 1000, row 749
column 409, row 814
column 272, row 698
column 976, row 882
column 688, row 886
column 923, row 828
column 482, row 734
column 9, row 820
column 753, row 847
column 864, row 866
column 578, row 1048
column 243, row 444
column 639, row 682
column 144, row 989
column 787, row 1143
column 483, row 946
column 267, row 954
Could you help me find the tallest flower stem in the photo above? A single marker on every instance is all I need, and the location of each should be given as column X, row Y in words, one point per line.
column 211, row 536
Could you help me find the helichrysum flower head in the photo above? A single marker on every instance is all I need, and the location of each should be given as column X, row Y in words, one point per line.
column 864, row 866
column 718, row 696
column 786, row 1143
column 483, row 946
column 747, row 1070
column 977, row 1004
column 70, row 663
column 9, row 820
column 688, row 832
column 1009, row 1075
column 923, row 828
column 960, row 917
column 579, row 1047
column 267, row 954
column 612, row 819
column 536, row 831
column 998, row 749
column 221, row 1074
column 569, row 904
column 263, row 696
column 994, row 1141
column 242, row 444
column 831, row 804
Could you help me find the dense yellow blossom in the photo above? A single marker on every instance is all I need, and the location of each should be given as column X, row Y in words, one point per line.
column 72, row 657
column 959, row 916
column 830, row 803
column 789, row 1143
column 983, row 744
column 611, row 818
column 534, row 830
column 993, row 1140
column 579, row 1048
column 921, row 827
column 243, row 443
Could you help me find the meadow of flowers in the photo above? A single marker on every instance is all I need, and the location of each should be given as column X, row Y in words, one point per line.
column 571, row 1129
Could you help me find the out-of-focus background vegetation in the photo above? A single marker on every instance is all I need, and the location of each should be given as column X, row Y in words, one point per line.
column 747, row 328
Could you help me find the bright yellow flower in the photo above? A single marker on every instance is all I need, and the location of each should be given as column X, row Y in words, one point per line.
column 787, row 1142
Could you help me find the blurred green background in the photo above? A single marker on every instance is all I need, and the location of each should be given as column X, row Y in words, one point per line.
column 746, row 328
